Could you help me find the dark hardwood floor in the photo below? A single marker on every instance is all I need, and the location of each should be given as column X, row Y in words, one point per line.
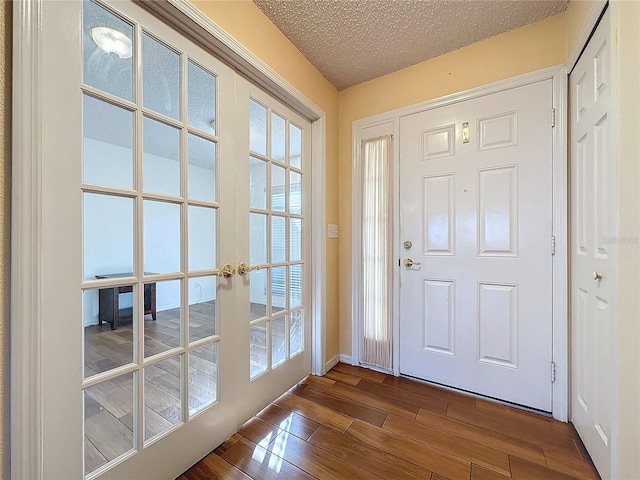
column 356, row 423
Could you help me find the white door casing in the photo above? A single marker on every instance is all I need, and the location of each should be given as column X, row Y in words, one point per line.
column 594, row 214
column 476, row 314
column 58, row 208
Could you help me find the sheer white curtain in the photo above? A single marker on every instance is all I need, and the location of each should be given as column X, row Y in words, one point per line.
column 375, row 348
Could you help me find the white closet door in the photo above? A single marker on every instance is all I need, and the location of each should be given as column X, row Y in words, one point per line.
column 594, row 213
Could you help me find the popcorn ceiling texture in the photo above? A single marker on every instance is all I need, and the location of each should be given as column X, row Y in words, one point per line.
column 352, row 41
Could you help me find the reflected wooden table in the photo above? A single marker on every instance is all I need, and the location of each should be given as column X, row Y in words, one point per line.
column 109, row 301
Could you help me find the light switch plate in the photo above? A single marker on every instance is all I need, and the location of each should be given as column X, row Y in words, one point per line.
column 333, row 231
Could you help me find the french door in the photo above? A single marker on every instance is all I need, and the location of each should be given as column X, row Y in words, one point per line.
column 175, row 245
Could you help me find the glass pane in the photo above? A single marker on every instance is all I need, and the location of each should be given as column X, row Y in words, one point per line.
column 162, row 313
column 203, row 320
column 257, row 128
column 258, row 238
column 296, row 331
column 161, row 163
column 202, row 238
column 278, row 193
column 278, row 239
column 278, row 133
column 295, row 285
column 203, row 377
column 202, row 169
column 258, row 292
column 278, row 289
column 161, row 237
column 258, row 349
column 108, row 331
column 257, row 183
column 278, row 340
column 108, row 421
column 160, row 77
column 295, row 193
column 108, row 235
column 107, row 51
column 295, row 239
column 162, row 392
column 202, row 98
column 295, row 146
column 107, row 144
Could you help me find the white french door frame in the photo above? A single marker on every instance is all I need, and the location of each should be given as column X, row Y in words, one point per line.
column 27, row 315
column 391, row 120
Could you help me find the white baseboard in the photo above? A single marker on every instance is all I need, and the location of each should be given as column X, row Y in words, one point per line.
column 331, row 363
column 346, row 359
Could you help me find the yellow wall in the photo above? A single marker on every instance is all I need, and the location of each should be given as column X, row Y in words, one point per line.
column 576, row 16
column 530, row 48
column 5, row 228
column 244, row 21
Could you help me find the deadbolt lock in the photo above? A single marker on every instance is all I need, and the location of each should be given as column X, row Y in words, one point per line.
column 407, row 245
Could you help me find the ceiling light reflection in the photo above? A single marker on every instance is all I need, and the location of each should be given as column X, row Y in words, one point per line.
column 112, row 41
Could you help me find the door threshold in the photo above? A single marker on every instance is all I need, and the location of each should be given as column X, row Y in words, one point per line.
column 478, row 395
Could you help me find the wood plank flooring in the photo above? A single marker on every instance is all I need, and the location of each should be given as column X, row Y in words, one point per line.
column 357, row 423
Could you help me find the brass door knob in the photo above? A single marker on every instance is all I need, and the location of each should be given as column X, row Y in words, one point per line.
column 227, row 271
column 410, row 263
column 243, row 268
column 597, row 276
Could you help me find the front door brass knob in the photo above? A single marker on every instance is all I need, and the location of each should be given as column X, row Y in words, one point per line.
column 410, row 263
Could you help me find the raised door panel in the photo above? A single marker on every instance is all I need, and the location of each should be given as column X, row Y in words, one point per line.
column 498, row 131
column 438, row 205
column 438, row 142
column 438, row 316
column 498, row 324
column 498, row 212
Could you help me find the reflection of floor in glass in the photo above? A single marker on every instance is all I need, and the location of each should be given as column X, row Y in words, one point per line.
column 258, row 349
column 109, row 405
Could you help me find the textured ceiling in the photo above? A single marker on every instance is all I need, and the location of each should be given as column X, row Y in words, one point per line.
column 352, row 41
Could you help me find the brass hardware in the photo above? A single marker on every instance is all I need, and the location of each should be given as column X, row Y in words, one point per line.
column 243, row 268
column 410, row 263
column 597, row 276
column 227, row 271
column 465, row 132
column 407, row 245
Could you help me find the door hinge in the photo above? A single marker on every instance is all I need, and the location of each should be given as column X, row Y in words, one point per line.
column 553, row 244
column 553, row 117
column 553, row 372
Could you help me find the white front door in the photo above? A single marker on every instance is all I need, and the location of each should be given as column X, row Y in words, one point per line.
column 593, row 247
column 476, row 207
column 146, row 186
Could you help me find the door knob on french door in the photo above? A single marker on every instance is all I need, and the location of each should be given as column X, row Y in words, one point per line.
column 243, row 268
column 597, row 276
column 227, row 271
column 410, row 263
